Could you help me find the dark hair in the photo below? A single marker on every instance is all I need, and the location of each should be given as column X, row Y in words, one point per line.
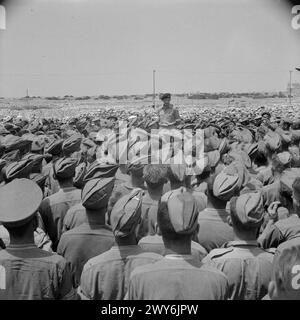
column 277, row 166
column 260, row 159
column 172, row 177
column 236, row 221
column 155, row 175
column 21, row 230
column 296, row 185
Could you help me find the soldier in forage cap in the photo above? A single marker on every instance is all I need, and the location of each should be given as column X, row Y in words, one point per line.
column 214, row 229
column 54, row 208
column 179, row 275
column 29, row 273
column 278, row 232
column 168, row 115
column 247, row 266
column 92, row 237
column 106, row 276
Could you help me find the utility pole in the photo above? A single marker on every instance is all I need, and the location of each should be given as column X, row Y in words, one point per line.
column 154, row 88
column 290, row 91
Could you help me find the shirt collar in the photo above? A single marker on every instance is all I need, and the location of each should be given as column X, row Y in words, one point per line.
column 68, row 189
column 22, row 246
column 241, row 243
column 179, row 256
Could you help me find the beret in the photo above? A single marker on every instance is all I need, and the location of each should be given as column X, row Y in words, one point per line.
column 19, row 200
column 230, row 181
column 12, row 142
column 136, row 164
column 72, row 144
column 2, row 164
column 3, row 131
column 241, row 156
column 68, row 133
column 88, row 142
column 248, row 208
column 38, row 143
column 265, row 176
column 96, row 193
column 272, row 140
column 35, row 158
column 251, row 149
column 286, row 136
column 284, row 157
column 223, row 147
column 18, row 169
column 100, row 170
column 182, row 209
column 287, row 179
column 213, row 158
column 34, row 126
column 80, row 172
column 11, row 156
column 212, row 143
column 165, row 96
column 177, row 172
column 295, row 153
column 54, row 147
column 126, row 213
column 64, row 168
column 225, row 186
column 295, row 135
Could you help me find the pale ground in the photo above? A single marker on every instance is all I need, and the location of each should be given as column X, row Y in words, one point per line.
column 71, row 107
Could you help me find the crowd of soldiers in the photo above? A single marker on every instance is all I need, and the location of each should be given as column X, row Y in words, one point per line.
column 77, row 223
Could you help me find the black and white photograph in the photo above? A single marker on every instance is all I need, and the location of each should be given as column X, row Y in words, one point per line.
column 149, row 150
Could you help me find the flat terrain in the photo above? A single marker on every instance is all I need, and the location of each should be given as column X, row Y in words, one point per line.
column 70, row 107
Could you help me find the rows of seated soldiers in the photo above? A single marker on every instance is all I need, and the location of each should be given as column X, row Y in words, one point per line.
column 77, row 225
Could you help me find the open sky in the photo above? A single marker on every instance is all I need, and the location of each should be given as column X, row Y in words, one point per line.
column 92, row 47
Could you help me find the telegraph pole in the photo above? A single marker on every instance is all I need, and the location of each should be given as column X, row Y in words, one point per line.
column 290, row 93
column 154, row 88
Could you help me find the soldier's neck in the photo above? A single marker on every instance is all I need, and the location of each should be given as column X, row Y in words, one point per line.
column 215, row 203
column 129, row 240
column 96, row 216
column 137, row 182
column 177, row 247
column 246, row 236
column 155, row 194
column 27, row 238
column 66, row 184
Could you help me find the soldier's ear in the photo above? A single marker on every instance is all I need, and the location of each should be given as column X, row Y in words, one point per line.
column 229, row 221
column 272, row 291
column 35, row 221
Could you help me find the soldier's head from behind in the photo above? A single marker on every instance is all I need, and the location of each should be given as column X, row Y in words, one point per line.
column 95, row 196
column 177, row 219
column 135, row 167
column 155, row 176
column 126, row 216
column 296, row 195
column 64, row 171
column 246, row 215
column 285, row 282
column 17, row 170
column 177, row 175
column 19, row 202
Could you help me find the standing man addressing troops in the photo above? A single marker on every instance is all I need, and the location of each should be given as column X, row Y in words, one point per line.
column 168, row 115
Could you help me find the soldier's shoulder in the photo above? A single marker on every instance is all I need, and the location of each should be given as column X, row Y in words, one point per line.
column 220, row 252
